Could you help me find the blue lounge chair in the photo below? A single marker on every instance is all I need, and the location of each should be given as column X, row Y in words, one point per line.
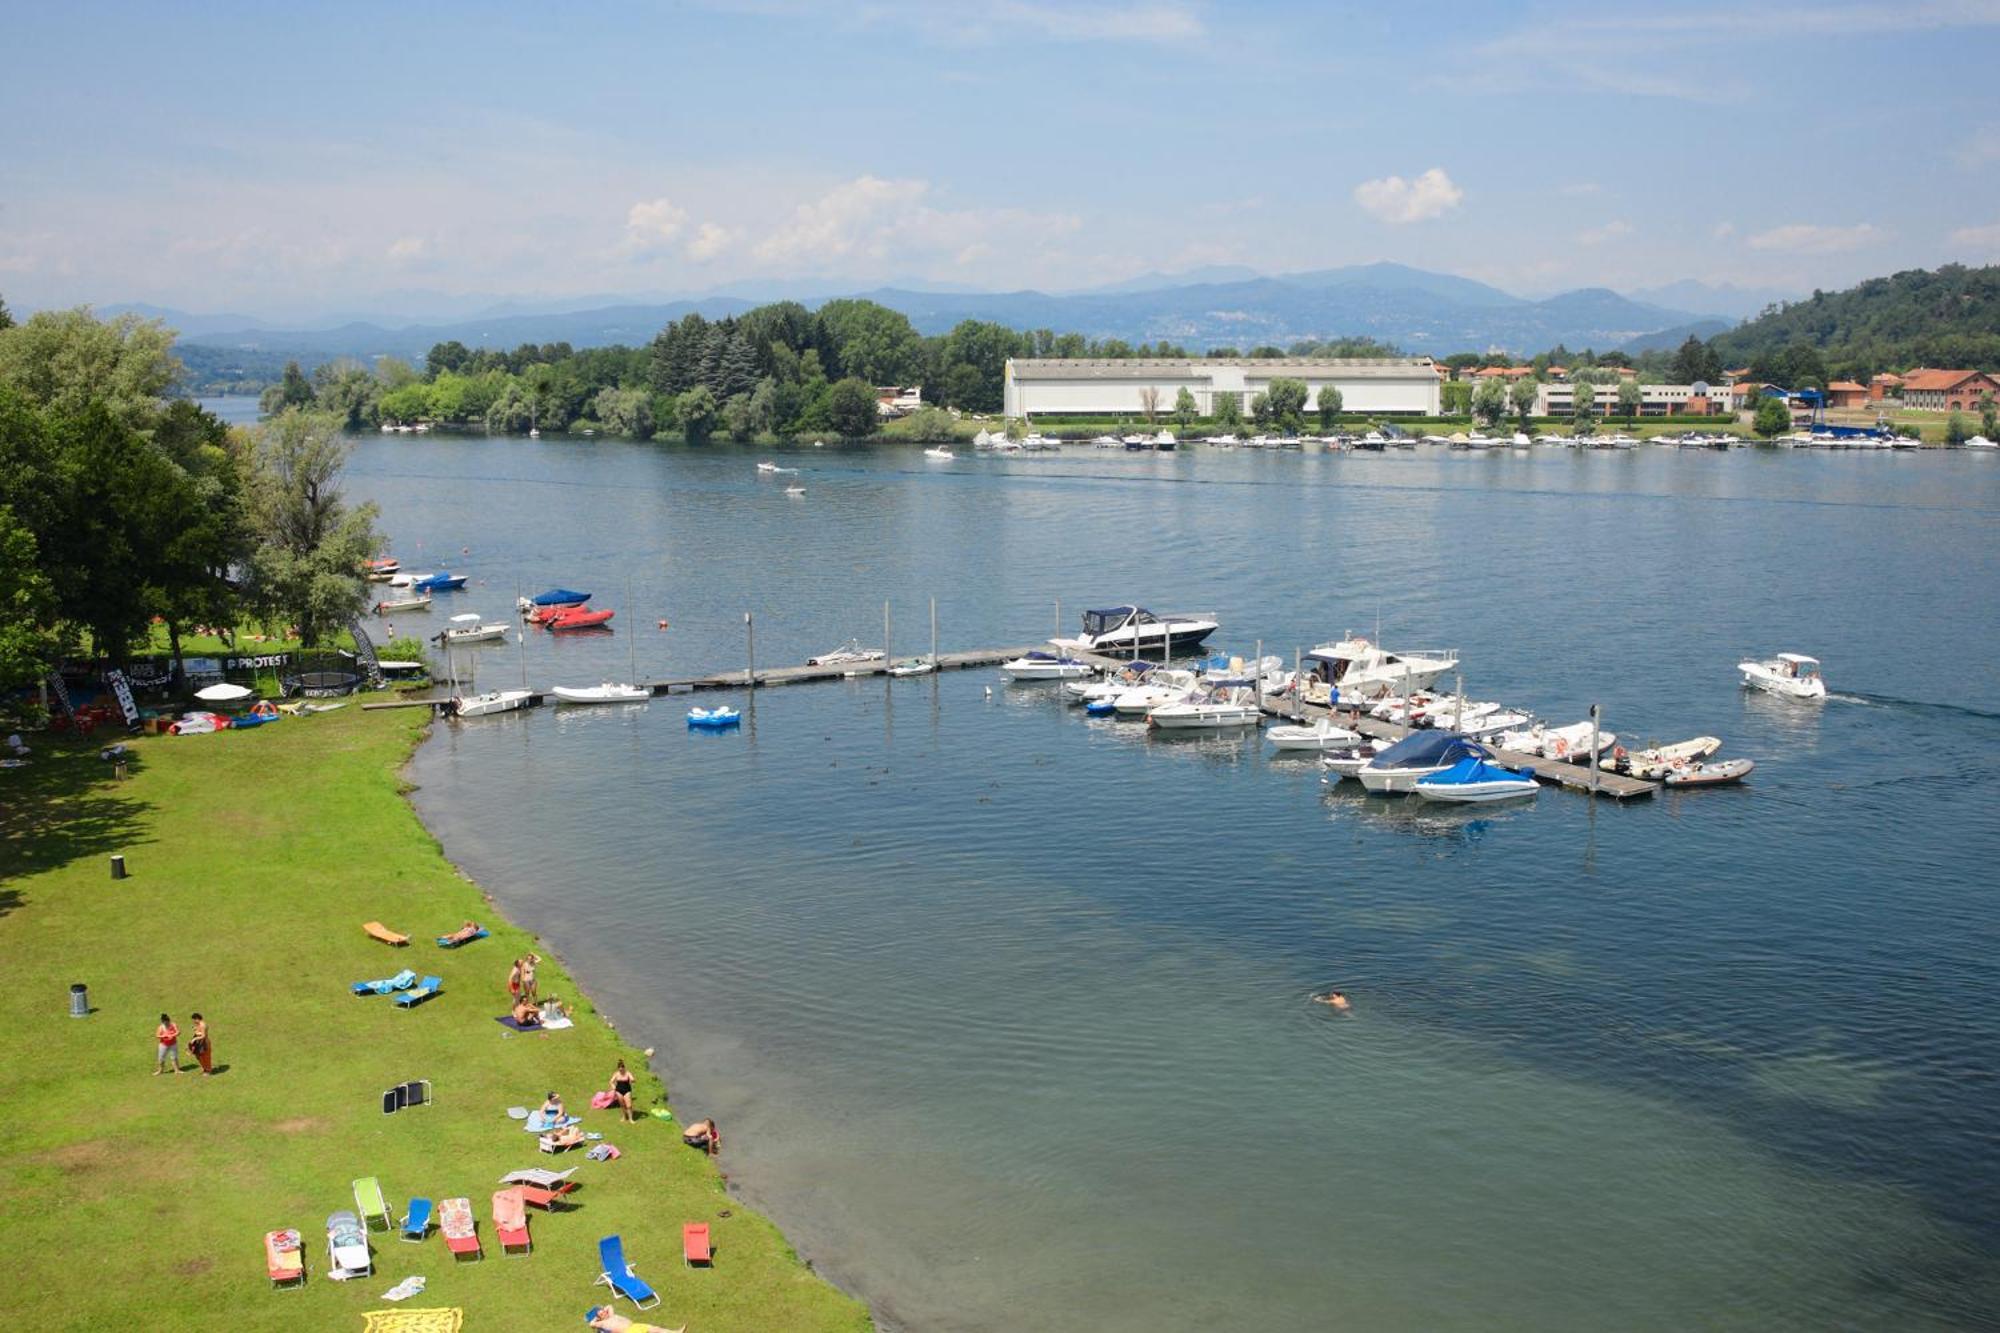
column 417, row 1224
column 618, row 1274
column 447, row 942
column 429, row 987
column 403, row 980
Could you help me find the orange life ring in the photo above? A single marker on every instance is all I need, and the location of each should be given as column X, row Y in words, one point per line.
column 1561, row 746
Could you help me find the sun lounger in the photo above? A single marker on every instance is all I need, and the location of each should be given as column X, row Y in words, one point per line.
column 417, row 1092
column 618, row 1274
column 556, row 1140
column 377, row 931
column 284, row 1258
column 425, row 989
column 401, row 981
column 695, row 1248
column 547, row 1199
column 347, row 1245
column 510, row 1221
column 461, row 1233
column 538, row 1175
column 607, row 1320
column 368, row 1201
column 417, row 1224
column 447, row 942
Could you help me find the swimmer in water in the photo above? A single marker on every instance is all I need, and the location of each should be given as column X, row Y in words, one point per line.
column 1334, row 999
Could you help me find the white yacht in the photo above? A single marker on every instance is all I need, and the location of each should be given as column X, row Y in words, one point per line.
column 489, row 703
column 1126, row 631
column 1793, row 675
column 1354, row 668
column 1213, row 711
column 1319, row 737
column 1046, row 666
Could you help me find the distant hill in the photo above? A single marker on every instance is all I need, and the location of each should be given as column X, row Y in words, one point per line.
column 1666, row 340
column 1948, row 318
column 1719, row 299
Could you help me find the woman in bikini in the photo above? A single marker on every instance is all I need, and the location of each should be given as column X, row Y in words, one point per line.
column 514, row 982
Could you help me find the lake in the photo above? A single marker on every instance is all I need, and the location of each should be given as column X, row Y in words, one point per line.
column 1005, row 1011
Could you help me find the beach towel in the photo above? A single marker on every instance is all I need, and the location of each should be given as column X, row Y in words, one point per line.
column 408, row 1287
column 447, row 942
column 507, row 1021
column 403, row 980
column 537, row 1123
column 413, row 1321
column 377, row 931
column 604, row 1152
column 600, row 1100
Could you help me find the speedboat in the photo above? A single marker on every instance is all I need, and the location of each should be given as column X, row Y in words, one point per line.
column 1492, row 724
column 470, row 628
column 553, row 597
column 1718, row 774
column 1793, row 675
column 850, row 653
column 1320, row 737
column 1979, row 442
column 1127, row 631
column 939, row 452
column 1085, row 691
column 1165, row 442
column 1395, row 771
column 1570, row 744
column 489, row 703
column 607, row 693
column 1354, row 668
column 1473, row 779
column 769, row 467
column 912, row 666
column 1039, row 665
column 1162, row 686
column 713, row 719
column 578, row 618
column 1655, row 762
column 1348, row 763
column 1214, row 711
column 389, row 604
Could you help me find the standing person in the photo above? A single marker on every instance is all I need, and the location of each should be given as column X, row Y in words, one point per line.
column 198, row 1045
column 514, row 983
column 528, row 976
column 621, row 1090
column 168, row 1036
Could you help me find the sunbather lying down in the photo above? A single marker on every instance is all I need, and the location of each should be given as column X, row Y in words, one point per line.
column 611, row 1321
column 464, row 932
column 569, row 1136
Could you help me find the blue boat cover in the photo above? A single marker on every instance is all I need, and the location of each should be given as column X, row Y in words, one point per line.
column 1037, row 655
column 1429, row 749
column 560, row 596
column 1472, row 769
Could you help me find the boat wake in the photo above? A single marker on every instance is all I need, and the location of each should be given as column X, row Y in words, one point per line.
column 1921, row 705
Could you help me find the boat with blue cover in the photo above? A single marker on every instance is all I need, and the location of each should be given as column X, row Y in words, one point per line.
column 1395, row 771
column 713, row 719
column 1474, row 779
column 439, row 582
column 554, row 597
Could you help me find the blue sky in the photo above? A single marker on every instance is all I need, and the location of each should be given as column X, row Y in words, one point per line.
column 288, row 161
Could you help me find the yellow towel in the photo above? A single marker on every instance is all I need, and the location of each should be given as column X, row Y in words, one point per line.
column 412, row 1321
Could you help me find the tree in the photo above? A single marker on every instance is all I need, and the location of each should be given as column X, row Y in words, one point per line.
column 1149, row 403
column 1583, row 400
column 64, row 359
column 1521, row 396
column 871, row 342
column 294, row 390
column 627, row 412
column 1629, row 397
column 737, row 420
column 450, row 356
column 1773, row 418
column 1228, row 409
column 1260, row 409
column 1489, row 400
column 6, row 315
column 1695, row 363
column 1989, row 416
column 1185, row 408
column 1287, row 402
column 697, row 413
column 307, row 566
column 1455, row 398
column 737, row 371
column 27, row 604
column 1329, row 406
column 929, row 424
column 1956, row 432
column 964, row 389
column 851, row 409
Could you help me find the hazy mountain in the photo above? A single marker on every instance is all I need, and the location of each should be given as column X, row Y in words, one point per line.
column 631, row 324
column 1666, row 340
column 1153, row 282
column 188, row 324
column 1722, row 298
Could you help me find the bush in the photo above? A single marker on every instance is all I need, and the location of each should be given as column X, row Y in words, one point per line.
column 928, row 425
column 406, row 648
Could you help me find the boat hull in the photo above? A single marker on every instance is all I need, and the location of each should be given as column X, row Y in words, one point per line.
column 1198, row 718
column 486, row 705
column 1396, row 781
column 1477, row 793
column 1727, row 772
column 1315, row 739
column 602, row 694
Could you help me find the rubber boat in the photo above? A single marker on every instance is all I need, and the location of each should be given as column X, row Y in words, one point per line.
column 439, row 582
column 1320, row 737
column 1570, row 744
column 489, row 703
column 1655, row 762
column 713, row 719
column 1395, row 771
column 850, row 653
column 1217, row 711
column 392, row 604
column 577, row 617
column 1718, row 774
column 470, row 628
column 1473, row 779
column 380, row 571
column 1354, row 668
column 1793, row 675
column 912, row 666
column 1045, row 666
column 553, row 597
column 607, row 693
column 1126, row 631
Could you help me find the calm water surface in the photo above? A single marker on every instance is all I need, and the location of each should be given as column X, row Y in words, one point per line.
column 1006, row 1008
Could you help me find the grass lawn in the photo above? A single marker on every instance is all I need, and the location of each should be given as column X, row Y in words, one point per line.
column 137, row 1201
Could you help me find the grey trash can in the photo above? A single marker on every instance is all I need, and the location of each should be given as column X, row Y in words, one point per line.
column 79, row 1000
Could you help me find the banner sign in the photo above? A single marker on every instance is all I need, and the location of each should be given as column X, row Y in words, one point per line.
column 116, row 680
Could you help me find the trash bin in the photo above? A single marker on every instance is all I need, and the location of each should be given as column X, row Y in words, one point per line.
column 79, row 1000
column 117, row 867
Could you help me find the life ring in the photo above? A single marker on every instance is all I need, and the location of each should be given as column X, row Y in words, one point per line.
column 1560, row 746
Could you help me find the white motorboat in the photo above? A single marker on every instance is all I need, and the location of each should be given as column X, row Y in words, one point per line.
column 489, row 703
column 1320, row 737
column 1349, row 762
column 470, row 628
column 769, row 467
column 1046, row 666
column 1395, row 771
column 1353, row 668
column 850, row 653
column 607, row 693
column 1979, row 442
column 1085, row 690
column 1474, row 780
column 1129, row 631
column 1162, row 686
column 1793, row 675
column 1493, row 724
column 389, row 605
column 1655, row 762
column 939, row 452
column 795, row 490
column 1214, row 711
column 912, row 666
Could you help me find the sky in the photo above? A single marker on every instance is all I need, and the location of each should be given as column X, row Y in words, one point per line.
column 290, row 161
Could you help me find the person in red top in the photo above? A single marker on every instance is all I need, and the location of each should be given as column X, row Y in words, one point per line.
column 168, row 1035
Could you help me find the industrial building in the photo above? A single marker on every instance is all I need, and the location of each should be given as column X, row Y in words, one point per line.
column 1132, row 387
column 1655, row 400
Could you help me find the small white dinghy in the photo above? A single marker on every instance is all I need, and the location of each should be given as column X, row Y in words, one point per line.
column 1721, row 773
column 1570, row 744
column 392, row 604
column 1319, row 737
column 607, row 693
column 1793, row 675
column 1655, row 762
column 912, row 666
column 1473, row 780
column 471, row 628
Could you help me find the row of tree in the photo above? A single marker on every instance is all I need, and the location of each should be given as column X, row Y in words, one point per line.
column 120, row 508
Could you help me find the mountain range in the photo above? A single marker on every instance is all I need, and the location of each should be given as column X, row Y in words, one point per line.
column 1419, row 311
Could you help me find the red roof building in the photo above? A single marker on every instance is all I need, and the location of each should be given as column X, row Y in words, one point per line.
column 1947, row 390
column 1846, row 393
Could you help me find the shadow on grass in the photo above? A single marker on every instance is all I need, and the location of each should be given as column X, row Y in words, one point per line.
column 64, row 806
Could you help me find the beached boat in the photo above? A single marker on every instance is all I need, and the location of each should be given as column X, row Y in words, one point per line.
column 470, row 628
column 1217, row 710
column 489, row 703
column 1039, row 665
column 1353, row 668
column 577, row 617
column 850, row 653
column 1321, row 736
column 1130, row 631
column 553, row 597
column 1395, row 771
column 1717, row 773
column 1656, row 761
column 1793, row 675
column 1475, row 780
column 713, row 719
column 388, row 605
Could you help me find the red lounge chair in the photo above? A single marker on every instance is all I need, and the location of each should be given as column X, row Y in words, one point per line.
column 461, row 1233
column 510, row 1221
column 546, row 1198
column 694, row 1244
column 284, row 1258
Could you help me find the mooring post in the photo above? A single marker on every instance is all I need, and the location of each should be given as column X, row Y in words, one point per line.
column 1591, row 758
column 750, row 634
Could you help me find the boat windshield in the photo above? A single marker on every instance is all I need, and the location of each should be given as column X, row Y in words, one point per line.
column 1097, row 622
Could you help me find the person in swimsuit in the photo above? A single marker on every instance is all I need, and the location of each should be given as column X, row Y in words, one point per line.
column 168, row 1037
column 464, row 932
column 198, row 1045
column 514, row 981
column 621, row 1090
column 703, row 1134
column 528, row 975
column 1333, row 999
column 526, row 1015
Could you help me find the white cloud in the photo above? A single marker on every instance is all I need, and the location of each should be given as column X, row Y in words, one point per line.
column 406, row 247
column 1610, row 231
column 1807, row 238
column 1080, row 22
column 844, row 218
column 652, row 223
column 1395, row 200
column 873, row 219
column 708, row 241
column 1722, row 231
column 1985, row 240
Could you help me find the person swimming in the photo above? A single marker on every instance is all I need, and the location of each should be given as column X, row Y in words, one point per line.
column 1334, row 999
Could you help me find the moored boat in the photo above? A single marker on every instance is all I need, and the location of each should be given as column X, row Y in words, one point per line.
column 1717, row 773
column 470, row 628
column 608, row 693
column 1129, row 631
column 439, row 582
column 1655, row 762
column 553, row 597
column 392, row 604
column 1396, row 770
column 1039, row 665
column 850, row 653
column 577, row 617
column 489, row 703
column 1474, row 780
column 1354, row 668
column 1320, row 737
column 1215, row 711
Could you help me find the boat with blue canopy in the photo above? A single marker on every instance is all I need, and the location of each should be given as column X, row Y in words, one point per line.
column 439, row 582
column 555, row 597
column 1474, row 779
column 1395, row 771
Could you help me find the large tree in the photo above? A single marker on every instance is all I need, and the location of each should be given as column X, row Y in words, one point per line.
column 1521, row 396
column 697, row 413
column 1773, row 418
column 27, row 604
column 1288, row 403
column 1329, row 406
column 1629, row 397
column 871, row 342
column 307, row 567
column 1489, row 400
column 851, row 409
column 64, row 359
column 1185, row 408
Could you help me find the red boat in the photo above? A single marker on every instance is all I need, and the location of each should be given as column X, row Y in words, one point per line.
column 577, row 617
column 542, row 615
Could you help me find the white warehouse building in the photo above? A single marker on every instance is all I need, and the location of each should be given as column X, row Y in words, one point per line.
column 1039, row 387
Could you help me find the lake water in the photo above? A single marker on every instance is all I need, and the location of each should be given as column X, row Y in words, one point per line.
column 1005, row 1010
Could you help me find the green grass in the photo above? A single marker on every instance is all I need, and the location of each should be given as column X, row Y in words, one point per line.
column 136, row 1201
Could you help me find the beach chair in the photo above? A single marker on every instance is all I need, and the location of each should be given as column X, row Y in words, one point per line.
column 461, row 1233
column 368, row 1201
column 538, row 1175
column 447, row 942
column 417, row 1223
column 347, row 1245
column 695, row 1248
column 510, row 1221
column 417, row 1092
column 428, row 987
column 560, row 1140
column 547, row 1197
column 618, row 1274
column 284, row 1258
column 375, row 930
column 387, row 985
